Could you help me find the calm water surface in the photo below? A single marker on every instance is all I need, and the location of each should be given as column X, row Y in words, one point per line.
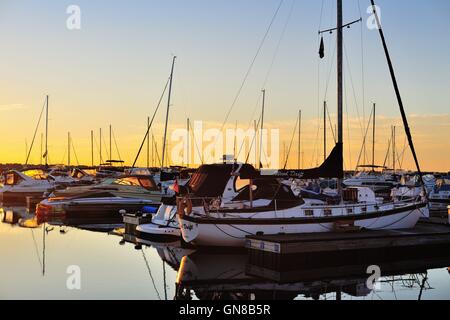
column 34, row 265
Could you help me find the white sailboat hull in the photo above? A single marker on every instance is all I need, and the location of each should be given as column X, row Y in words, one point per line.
column 226, row 234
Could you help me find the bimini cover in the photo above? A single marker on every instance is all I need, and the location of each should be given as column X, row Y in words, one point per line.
column 210, row 180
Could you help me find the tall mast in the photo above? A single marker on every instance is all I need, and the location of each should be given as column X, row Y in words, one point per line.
column 167, row 113
column 255, row 125
column 148, row 143
column 340, row 50
column 373, row 137
column 46, row 134
column 153, row 150
column 110, row 143
column 68, row 149
column 188, row 146
column 393, row 148
column 299, row 138
column 42, row 140
column 262, row 128
column 340, row 100
column 92, row 147
column 101, row 158
column 324, row 131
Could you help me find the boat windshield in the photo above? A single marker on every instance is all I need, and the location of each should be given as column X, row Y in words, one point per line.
column 144, row 182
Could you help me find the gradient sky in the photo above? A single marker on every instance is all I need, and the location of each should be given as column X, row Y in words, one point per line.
column 113, row 70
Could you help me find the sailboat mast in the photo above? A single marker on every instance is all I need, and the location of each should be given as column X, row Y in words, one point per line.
column 299, row 138
column 46, row 134
column 42, row 140
column 340, row 50
column 324, row 131
column 393, row 148
column 262, row 128
column 92, row 147
column 148, row 143
column 167, row 113
column 101, row 158
column 188, row 145
column 373, row 137
column 340, row 96
column 68, row 149
column 110, row 143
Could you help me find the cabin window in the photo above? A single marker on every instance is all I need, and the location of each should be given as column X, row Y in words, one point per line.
column 309, row 213
column 349, row 210
column 147, row 183
column 10, row 179
column 130, row 181
column 241, row 183
column 364, row 209
column 327, row 212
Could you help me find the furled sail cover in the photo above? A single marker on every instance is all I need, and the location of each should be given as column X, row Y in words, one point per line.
column 331, row 168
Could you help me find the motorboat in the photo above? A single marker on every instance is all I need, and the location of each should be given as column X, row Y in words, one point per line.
column 17, row 186
column 440, row 195
column 112, row 198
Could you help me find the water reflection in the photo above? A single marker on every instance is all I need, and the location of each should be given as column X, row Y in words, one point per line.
column 218, row 276
column 120, row 266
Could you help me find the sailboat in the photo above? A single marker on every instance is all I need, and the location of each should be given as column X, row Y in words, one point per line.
column 207, row 219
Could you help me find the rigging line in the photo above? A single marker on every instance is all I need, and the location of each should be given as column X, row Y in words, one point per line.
column 253, row 141
column 156, row 149
column 151, row 122
column 331, row 125
column 74, row 152
column 388, row 152
column 399, row 98
column 106, row 147
column 405, row 145
column 150, row 273
column 364, row 140
column 251, row 66
column 115, row 143
column 195, row 142
column 363, row 73
column 266, row 79
column 290, row 145
column 348, row 126
column 35, row 132
column 354, row 92
column 98, row 149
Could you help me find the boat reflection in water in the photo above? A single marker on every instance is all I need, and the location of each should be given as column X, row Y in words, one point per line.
column 240, row 276
column 18, row 216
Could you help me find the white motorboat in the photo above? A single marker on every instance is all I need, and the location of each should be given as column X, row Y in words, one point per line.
column 440, row 195
column 17, row 186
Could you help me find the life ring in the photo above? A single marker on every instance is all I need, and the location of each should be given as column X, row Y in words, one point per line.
column 184, row 207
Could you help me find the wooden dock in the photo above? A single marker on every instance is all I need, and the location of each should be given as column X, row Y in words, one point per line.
column 425, row 234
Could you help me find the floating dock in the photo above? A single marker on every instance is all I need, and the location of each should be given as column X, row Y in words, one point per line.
column 425, row 234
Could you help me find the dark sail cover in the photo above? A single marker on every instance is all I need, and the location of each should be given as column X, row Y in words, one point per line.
column 331, row 168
